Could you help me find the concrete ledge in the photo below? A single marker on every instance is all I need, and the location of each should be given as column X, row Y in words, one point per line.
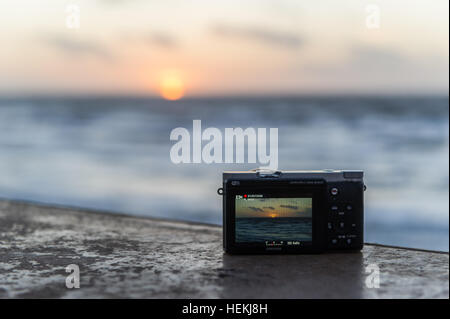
column 128, row 257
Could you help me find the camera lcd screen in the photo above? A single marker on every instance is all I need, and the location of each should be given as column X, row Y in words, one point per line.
column 273, row 220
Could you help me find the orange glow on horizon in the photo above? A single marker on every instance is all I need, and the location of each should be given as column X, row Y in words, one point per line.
column 171, row 85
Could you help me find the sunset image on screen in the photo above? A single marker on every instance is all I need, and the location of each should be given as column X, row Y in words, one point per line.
column 273, row 207
column 273, row 219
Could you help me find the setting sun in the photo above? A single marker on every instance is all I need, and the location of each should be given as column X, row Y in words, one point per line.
column 171, row 86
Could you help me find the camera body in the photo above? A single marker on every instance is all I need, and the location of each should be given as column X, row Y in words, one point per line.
column 292, row 211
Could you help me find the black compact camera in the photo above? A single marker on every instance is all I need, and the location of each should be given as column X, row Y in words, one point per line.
column 292, row 211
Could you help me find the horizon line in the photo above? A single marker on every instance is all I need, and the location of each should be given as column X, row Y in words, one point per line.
column 89, row 95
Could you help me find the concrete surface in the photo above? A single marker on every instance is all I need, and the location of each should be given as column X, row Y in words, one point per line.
column 128, row 257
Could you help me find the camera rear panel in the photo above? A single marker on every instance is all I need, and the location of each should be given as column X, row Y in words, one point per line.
column 335, row 198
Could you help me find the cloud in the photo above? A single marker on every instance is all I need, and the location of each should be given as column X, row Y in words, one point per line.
column 163, row 40
column 363, row 61
column 260, row 34
column 270, row 207
column 289, row 206
column 256, row 209
column 154, row 38
column 376, row 58
column 76, row 46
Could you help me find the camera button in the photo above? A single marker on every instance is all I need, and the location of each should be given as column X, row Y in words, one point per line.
column 334, row 191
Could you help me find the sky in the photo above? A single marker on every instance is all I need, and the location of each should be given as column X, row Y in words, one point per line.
column 274, row 207
column 176, row 48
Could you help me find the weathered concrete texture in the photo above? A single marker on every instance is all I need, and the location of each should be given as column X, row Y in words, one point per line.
column 129, row 257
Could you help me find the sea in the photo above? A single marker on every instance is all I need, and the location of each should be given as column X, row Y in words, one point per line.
column 113, row 154
column 260, row 229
